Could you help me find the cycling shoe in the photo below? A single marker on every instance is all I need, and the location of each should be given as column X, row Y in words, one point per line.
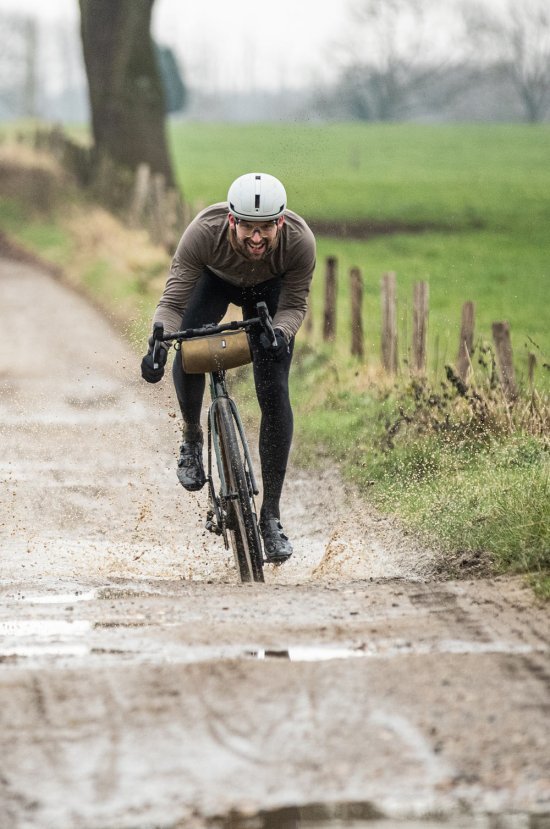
column 190, row 468
column 277, row 547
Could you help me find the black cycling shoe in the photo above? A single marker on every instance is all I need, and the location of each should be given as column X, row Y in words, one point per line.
column 190, row 469
column 276, row 544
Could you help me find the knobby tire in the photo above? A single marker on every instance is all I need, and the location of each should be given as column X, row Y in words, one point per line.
column 242, row 522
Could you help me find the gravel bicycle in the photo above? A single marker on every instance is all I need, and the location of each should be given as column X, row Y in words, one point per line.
column 213, row 349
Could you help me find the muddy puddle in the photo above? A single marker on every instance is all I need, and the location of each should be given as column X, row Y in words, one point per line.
column 307, row 654
column 358, row 815
column 153, row 630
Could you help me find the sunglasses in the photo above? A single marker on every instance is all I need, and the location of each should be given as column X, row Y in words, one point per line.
column 250, row 228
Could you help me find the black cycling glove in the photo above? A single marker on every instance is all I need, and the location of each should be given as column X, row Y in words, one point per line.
column 148, row 372
column 276, row 350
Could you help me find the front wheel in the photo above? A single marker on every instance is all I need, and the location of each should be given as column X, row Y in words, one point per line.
column 242, row 523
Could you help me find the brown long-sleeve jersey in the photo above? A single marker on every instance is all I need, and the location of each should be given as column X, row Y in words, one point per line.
column 205, row 243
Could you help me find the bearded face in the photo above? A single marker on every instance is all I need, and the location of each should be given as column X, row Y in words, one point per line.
column 254, row 240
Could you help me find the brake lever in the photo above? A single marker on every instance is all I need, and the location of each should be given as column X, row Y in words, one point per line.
column 158, row 336
column 266, row 322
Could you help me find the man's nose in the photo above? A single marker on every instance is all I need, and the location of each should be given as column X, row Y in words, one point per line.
column 256, row 231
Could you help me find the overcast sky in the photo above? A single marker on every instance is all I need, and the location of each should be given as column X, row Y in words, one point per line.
column 230, row 43
column 243, row 42
column 237, row 44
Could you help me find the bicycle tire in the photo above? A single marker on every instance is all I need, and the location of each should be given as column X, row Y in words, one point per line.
column 243, row 523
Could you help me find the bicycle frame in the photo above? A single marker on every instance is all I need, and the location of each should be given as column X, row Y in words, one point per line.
column 233, row 509
column 218, row 390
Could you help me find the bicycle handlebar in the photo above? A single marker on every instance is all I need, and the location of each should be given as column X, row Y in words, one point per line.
column 263, row 319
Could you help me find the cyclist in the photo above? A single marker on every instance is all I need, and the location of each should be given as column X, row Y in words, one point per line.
column 243, row 251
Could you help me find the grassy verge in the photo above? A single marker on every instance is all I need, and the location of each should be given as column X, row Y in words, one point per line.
column 468, row 473
column 119, row 268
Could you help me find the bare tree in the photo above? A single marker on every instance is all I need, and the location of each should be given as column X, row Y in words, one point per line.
column 518, row 41
column 31, row 74
column 18, row 65
column 126, row 94
column 393, row 54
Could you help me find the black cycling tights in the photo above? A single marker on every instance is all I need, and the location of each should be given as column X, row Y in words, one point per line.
column 208, row 304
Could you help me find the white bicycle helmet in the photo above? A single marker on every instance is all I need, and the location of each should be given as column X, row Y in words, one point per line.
column 257, row 196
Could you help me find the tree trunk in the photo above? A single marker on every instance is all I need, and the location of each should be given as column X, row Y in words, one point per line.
column 126, row 96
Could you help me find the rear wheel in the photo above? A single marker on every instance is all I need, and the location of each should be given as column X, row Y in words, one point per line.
column 242, row 523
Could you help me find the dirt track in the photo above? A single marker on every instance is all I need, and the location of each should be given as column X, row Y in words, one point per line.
column 141, row 686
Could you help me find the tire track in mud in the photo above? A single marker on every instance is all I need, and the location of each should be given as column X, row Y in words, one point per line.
column 140, row 684
column 90, row 465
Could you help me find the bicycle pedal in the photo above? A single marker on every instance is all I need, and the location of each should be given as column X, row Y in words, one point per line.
column 276, row 561
column 212, row 527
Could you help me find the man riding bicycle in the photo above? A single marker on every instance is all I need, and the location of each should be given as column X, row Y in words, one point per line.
column 244, row 251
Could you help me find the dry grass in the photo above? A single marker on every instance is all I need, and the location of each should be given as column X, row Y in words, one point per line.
column 118, row 267
column 23, row 157
column 32, row 178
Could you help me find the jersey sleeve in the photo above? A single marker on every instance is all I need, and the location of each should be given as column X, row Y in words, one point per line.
column 186, row 268
column 296, row 282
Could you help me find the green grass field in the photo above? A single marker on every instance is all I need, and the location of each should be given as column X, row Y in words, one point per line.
column 488, row 186
column 497, row 174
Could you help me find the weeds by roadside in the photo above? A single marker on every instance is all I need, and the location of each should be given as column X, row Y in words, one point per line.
column 465, row 468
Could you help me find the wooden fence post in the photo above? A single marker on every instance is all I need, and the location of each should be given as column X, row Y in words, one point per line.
column 329, row 318
column 56, row 142
column 159, row 208
column 356, row 295
column 172, row 218
column 466, row 342
column 505, row 360
column 421, row 293
column 531, row 365
column 389, row 322
column 140, row 194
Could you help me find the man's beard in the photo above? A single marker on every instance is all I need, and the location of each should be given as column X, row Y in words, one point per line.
column 242, row 247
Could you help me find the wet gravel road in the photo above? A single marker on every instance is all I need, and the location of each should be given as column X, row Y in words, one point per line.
column 142, row 687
